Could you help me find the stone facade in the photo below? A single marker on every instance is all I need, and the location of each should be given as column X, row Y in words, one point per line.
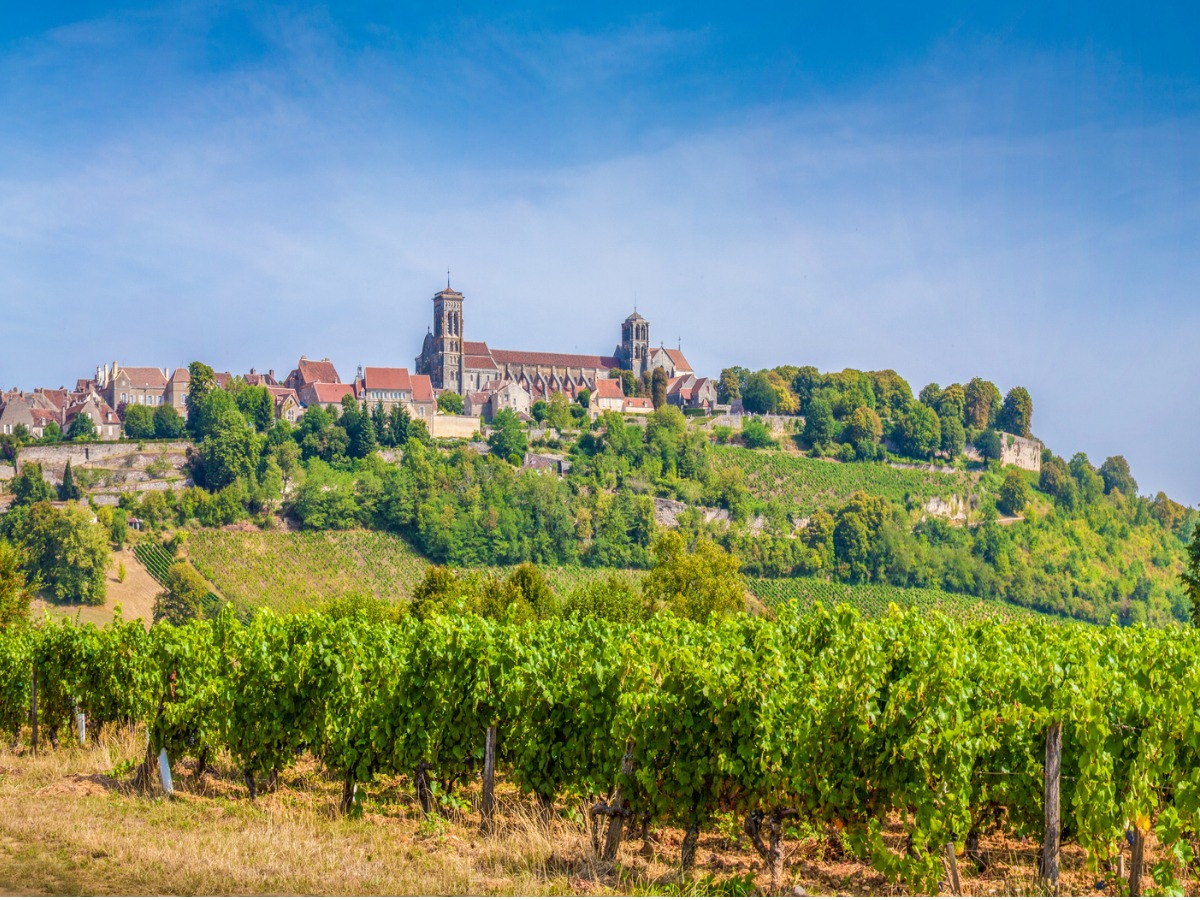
column 466, row 367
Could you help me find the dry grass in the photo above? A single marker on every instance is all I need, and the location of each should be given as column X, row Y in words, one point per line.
column 135, row 595
column 72, row 823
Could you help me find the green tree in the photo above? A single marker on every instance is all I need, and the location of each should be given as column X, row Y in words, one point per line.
column 1191, row 576
column 230, row 452
column 1091, row 485
column 450, row 402
column 1014, row 493
column 919, row 431
column 398, row 425
column 954, row 436
column 658, row 388
column 629, row 381
column 819, row 424
column 30, row 486
column 697, row 585
column 139, row 422
column 15, row 593
column 1016, row 416
column 863, row 425
column 1055, row 480
column 988, row 445
column 892, row 393
column 756, row 434
column 931, row 395
column 558, row 411
column 856, row 536
column 168, row 423
column 68, row 552
column 69, row 490
column 82, row 428
column 729, row 385
column 202, row 382
column 256, row 404
column 507, row 439
column 51, row 434
column 182, row 597
column 584, row 398
column 758, row 394
column 981, row 403
column 1117, row 477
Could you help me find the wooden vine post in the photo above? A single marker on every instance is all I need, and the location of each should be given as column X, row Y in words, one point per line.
column 1053, row 834
column 33, row 710
column 1136, row 861
column 487, row 804
column 952, row 870
column 616, row 819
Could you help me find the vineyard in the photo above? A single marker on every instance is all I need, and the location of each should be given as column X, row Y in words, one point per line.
column 157, row 561
column 292, row 571
column 806, row 485
column 874, row 600
column 823, row 720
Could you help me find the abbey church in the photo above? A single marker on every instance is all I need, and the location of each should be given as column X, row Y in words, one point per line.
column 467, row 367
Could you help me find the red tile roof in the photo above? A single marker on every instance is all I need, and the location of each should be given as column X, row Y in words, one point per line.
column 475, row 348
column 480, row 362
column 422, row 389
column 638, row 403
column 181, row 375
column 144, row 376
column 563, row 360
column 608, row 389
column 313, row 371
column 381, row 379
column 324, row 393
column 679, row 359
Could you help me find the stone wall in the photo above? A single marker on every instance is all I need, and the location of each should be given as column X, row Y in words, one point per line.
column 1024, row 453
column 54, row 457
column 777, row 424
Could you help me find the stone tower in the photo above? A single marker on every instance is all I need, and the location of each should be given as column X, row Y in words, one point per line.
column 635, row 344
column 442, row 354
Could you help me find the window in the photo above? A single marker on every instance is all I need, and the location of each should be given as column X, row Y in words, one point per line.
column 122, row 398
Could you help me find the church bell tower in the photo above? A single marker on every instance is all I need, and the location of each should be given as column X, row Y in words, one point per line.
column 635, row 344
column 447, row 339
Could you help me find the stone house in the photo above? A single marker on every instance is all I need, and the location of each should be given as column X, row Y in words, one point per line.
column 322, row 394
column 103, row 416
column 638, row 406
column 424, row 403
column 388, row 386
column 311, row 371
column 673, row 362
column 287, row 403
column 689, row 392
column 131, row 385
column 607, row 397
column 177, row 389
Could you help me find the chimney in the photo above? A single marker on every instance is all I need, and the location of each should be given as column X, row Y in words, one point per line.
column 252, row 372
column 271, row 374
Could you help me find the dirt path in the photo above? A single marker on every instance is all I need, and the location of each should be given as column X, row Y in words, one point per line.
column 135, row 595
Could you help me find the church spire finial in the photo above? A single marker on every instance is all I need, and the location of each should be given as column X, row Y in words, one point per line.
column 447, row 278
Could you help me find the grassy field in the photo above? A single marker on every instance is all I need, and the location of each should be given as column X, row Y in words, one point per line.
column 74, row 824
column 287, row 571
column 874, row 599
column 806, row 485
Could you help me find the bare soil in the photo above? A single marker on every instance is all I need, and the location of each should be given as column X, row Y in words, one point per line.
column 135, row 595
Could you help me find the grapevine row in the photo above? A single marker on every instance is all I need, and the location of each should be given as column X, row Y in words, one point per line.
column 845, row 722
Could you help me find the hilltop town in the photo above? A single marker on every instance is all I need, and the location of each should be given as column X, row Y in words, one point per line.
column 455, row 384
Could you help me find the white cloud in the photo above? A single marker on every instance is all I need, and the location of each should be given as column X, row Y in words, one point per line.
column 893, row 230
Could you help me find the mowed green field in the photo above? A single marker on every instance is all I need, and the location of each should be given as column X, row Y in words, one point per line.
column 290, row 571
column 806, row 485
column 874, row 599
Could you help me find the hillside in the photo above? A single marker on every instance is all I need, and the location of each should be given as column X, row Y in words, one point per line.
column 288, row 571
column 874, row 599
column 805, row 485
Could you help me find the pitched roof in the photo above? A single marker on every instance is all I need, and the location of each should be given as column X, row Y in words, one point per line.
column 480, row 362
column 678, row 359
column 325, row 393
column 562, row 360
column 475, row 348
column 312, row 371
column 383, row 379
column 181, row 375
column 422, row 389
column 144, row 376
column 608, row 389
column 638, row 403
column 57, row 398
column 43, row 417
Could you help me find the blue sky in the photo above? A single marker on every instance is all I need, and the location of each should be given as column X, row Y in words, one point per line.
column 944, row 190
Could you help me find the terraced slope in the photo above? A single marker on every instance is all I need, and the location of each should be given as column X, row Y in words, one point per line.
column 807, row 485
column 873, row 599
